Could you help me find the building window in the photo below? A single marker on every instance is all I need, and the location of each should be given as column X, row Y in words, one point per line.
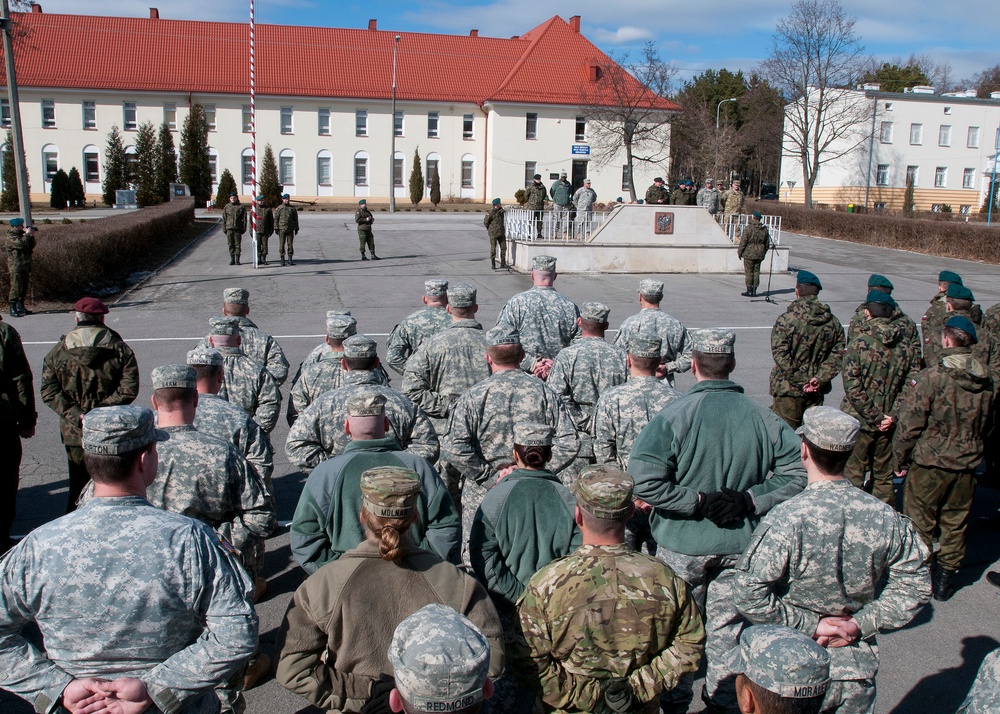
column 247, row 119
column 973, row 139
column 286, row 120
column 888, row 106
column 912, row 175
column 323, row 121
column 213, row 165
column 128, row 116
column 397, row 170
column 209, row 116
column 885, row 132
column 965, row 209
column 91, row 165
column 48, row 114
column 324, row 170
column 581, row 128
column 947, row 111
column 431, row 164
column 944, row 135
column 937, row 207
column 397, row 123
column 132, row 165
column 882, row 175
column 625, row 183
column 529, row 171
column 360, row 170
column 940, row 177
column 286, row 168
column 170, row 115
column 5, row 112
column 467, row 165
column 916, row 134
column 467, row 122
column 89, row 115
column 969, row 178
column 433, row 119
column 50, row 161
column 361, row 127
column 247, row 168
column 531, row 125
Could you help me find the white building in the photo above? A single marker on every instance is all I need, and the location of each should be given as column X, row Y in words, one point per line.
column 945, row 142
column 487, row 112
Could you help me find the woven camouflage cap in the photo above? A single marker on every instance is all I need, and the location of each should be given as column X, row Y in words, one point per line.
column 439, row 660
column 203, row 356
column 947, row 276
column 334, row 313
column 224, row 326
column 389, row 491
column 713, row 341
column 829, row 428
column 783, row 661
column 463, row 295
column 544, row 263
column 533, row 434
column 171, row 376
column 236, row 296
column 366, row 404
column 647, row 347
column 879, row 281
column 650, row 287
column 605, row 491
column 340, row 327
column 435, row 287
column 959, row 292
column 359, row 347
column 503, row 336
column 595, row 312
column 960, row 322
column 109, row 431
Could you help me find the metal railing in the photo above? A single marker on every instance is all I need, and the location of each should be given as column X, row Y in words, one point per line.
column 529, row 226
column 733, row 225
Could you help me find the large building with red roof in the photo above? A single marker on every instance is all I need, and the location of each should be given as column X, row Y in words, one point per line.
column 487, row 112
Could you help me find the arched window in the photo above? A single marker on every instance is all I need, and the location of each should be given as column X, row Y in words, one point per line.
column 50, row 164
column 213, row 166
column 324, row 173
column 433, row 161
column 131, row 165
column 246, row 171
column 286, row 168
column 91, row 169
column 468, row 176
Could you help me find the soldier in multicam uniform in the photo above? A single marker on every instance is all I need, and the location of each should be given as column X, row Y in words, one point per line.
column 89, row 367
column 119, row 577
column 318, row 433
column 496, row 229
column 733, row 200
column 336, row 634
column 650, row 322
column 780, row 669
column 877, row 365
column 20, row 245
column 234, row 224
column 440, row 663
column 579, row 614
column 706, row 501
column 658, row 193
column 265, row 228
column 938, row 445
column 708, row 196
column 17, row 421
column 535, row 197
column 937, row 313
column 246, row 383
column 286, row 225
column 807, row 344
column 366, row 239
column 984, row 697
column 910, row 334
column 255, row 343
column 754, row 244
column 835, row 563
column 414, row 329
column 545, row 319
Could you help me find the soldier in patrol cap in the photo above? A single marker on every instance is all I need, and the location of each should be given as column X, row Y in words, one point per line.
column 414, row 329
column 651, row 321
column 326, row 372
column 246, row 383
column 776, row 663
column 586, row 603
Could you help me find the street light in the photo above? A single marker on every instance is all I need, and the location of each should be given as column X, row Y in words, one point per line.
column 392, row 158
column 993, row 182
column 734, row 99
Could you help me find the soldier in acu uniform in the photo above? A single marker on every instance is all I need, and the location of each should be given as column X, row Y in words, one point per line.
column 325, row 373
column 20, row 245
column 234, row 223
column 408, row 335
column 780, row 669
column 708, row 196
column 835, row 563
column 579, row 614
column 265, row 228
column 753, row 247
column 984, row 697
column 366, row 239
column 658, row 193
column 256, row 344
column 246, row 383
column 496, row 229
column 650, row 322
column 535, row 197
column 286, row 225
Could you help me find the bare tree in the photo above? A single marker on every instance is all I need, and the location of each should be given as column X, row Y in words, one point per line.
column 626, row 111
column 816, row 57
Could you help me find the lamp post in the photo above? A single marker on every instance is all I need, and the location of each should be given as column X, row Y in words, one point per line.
column 392, row 158
column 719, row 107
column 993, row 182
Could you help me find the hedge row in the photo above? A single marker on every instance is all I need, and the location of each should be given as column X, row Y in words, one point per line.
column 948, row 239
column 74, row 259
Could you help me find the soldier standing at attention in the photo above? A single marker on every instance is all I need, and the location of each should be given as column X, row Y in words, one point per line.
column 496, row 229
column 89, row 367
column 122, row 591
column 732, row 201
column 880, row 283
column 324, row 374
column 257, row 344
column 265, row 227
column 583, row 201
column 780, row 670
column 580, row 612
column 20, row 245
column 708, row 196
column 807, row 343
column 17, row 421
column 937, row 313
column 414, row 329
column 939, row 445
column 535, row 197
column 650, row 321
column 286, row 224
column 364, row 218
column 834, row 563
column 960, row 302
column 246, row 383
column 658, row 193
column 562, row 198
column 753, row 247
column 234, row 223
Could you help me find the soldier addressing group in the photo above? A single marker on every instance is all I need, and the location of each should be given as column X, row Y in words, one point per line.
column 20, row 246
column 286, row 224
column 753, row 247
column 496, row 229
column 234, row 223
column 366, row 239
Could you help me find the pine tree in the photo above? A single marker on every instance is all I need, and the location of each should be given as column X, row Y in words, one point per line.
column 908, row 197
column 145, row 169
column 115, row 166
column 416, row 179
column 196, row 171
column 77, row 195
column 166, row 162
column 435, row 187
column 227, row 185
column 268, row 186
column 9, row 199
column 59, row 190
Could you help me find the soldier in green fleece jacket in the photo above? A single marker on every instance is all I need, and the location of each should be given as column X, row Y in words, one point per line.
column 703, row 464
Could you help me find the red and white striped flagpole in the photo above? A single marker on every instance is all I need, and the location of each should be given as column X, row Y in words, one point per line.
column 253, row 140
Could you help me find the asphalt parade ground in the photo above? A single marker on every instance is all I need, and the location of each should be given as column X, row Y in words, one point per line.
column 926, row 667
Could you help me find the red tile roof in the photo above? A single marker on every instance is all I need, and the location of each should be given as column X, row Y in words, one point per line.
column 152, row 54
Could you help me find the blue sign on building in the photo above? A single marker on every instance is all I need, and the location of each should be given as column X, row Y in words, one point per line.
column 581, row 150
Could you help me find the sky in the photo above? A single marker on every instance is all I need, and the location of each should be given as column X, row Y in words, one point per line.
column 693, row 36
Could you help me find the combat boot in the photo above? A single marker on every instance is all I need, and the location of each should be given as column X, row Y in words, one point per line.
column 282, row 262
column 22, row 309
column 753, row 292
column 746, row 293
column 503, row 264
column 375, row 257
column 237, row 259
column 364, row 257
column 232, row 259
column 941, row 584
column 13, row 309
column 493, row 264
column 290, row 261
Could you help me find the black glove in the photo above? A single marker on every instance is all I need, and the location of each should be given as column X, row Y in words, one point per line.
column 378, row 701
column 618, row 695
column 731, row 508
column 706, row 501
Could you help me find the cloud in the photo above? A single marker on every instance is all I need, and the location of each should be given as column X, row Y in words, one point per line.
column 621, row 36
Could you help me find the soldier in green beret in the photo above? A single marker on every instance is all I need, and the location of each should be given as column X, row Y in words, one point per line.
column 286, row 225
column 20, row 245
column 364, row 218
column 234, row 223
column 658, row 193
column 265, row 228
column 496, row 229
